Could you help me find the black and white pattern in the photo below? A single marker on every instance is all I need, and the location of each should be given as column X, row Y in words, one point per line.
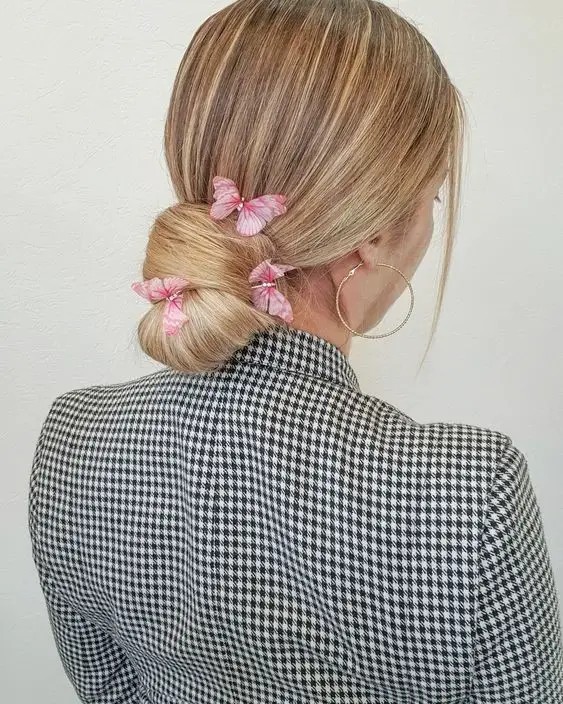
column 268, row 533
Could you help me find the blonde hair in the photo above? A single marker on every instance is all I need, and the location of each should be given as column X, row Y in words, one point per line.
column 342, row 106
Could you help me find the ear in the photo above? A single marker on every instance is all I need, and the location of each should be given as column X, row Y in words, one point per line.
column 368, row 251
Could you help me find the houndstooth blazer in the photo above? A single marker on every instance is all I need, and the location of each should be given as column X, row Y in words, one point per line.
column 267, row 533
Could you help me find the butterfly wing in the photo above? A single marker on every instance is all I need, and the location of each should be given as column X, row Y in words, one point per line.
column 278, row 270
column 269, row 300
column 262, row 272
column 227, row 197
column 266, row 271
column 174, row 317
column 156, row 289
column 256, row 213
column 279, row 305
column 151, row 289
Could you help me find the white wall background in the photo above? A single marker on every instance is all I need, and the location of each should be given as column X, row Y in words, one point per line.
column 84, row 96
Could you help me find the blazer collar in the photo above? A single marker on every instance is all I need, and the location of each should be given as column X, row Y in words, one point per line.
column 285, row 347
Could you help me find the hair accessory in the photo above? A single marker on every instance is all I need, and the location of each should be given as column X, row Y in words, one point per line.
column 265, row 294
column 171, row 288
column 253, row 214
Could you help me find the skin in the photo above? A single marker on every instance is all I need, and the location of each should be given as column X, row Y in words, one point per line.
column 368, row 294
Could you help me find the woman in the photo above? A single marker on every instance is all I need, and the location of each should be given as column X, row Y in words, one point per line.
column 246, row 525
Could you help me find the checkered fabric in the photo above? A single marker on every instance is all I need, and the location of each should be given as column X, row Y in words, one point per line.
column 268, row 533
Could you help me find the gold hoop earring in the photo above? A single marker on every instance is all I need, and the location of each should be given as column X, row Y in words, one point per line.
column 361, row 334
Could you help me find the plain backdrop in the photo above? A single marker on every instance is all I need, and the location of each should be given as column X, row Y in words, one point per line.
column 85, row 88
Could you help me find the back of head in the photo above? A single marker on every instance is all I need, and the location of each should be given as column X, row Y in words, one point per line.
column 340, row 105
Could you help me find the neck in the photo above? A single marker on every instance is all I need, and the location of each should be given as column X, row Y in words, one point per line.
column 327, row 329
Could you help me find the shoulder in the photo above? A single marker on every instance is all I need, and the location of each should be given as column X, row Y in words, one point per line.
column 78, row 414
column 86, row 398
column 446, row 456
column 369, row 426
column 446, row 439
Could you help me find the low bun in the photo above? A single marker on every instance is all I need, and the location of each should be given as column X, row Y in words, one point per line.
column 216, row 261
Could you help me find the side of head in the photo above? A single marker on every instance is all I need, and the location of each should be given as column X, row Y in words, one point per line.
column 340, row 105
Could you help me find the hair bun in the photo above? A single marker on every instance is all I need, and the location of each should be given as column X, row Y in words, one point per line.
column 185, row 242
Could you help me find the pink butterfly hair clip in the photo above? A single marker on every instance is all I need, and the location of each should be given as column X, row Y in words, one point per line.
column 265, row 294
column 171, row 288
column 253, row 214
